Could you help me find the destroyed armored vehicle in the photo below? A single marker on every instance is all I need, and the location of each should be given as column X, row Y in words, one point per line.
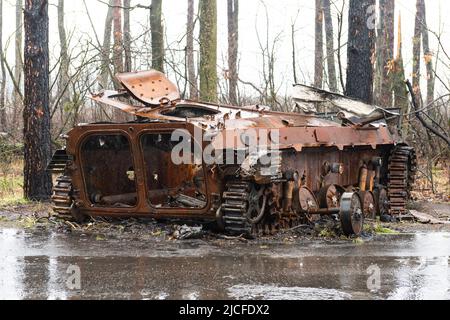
column 245, row 169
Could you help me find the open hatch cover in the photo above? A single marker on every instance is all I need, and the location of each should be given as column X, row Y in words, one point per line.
column 150, row 87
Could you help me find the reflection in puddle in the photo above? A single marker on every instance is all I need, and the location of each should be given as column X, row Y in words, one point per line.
column 425, row 278
column 271, row 292
column 33, row 265
column 190, row 295
column 162, row 296
column 55, row 289
column 10, row 266
column 10, row 284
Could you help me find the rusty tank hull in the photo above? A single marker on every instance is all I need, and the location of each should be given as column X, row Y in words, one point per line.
column 245, row 169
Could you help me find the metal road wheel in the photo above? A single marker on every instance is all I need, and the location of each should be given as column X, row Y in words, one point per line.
column 368, row 204
column 257, row 201
column 381, row 202
column 308, row 203
column 352, row 217
column 330, row 196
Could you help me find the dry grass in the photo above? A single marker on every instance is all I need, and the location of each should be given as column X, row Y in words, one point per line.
column 11, row 183
column 441, row 179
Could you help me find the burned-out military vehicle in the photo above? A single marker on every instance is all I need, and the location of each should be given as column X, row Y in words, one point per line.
column 246, row 169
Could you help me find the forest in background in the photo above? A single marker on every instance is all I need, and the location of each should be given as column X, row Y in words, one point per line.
column 41, row 96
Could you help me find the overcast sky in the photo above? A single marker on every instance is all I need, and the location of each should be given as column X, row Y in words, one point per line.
column 252, row 17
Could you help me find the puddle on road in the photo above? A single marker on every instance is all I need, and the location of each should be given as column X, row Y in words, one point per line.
column 35, row 266
column 272, row 292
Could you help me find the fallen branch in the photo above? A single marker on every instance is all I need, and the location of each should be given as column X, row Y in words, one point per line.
column 298, row 227
column 239, row 238
column 421, row 119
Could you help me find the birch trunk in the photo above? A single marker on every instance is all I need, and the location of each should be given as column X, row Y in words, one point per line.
column 190, row 61
column 318, row 62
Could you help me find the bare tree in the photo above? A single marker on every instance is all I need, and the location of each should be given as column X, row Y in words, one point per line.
column 294, row 53
column 127, row 34
column 157, row 35
column 269, row 88
column 340, row 17
column 385, row 53
column 118, row 37
column 318, row 62
column 398, row 76
column 416, row 54
column 18, row 68
column 361, row 37
column 190, row 64
column 329, row 32
column 36, row 115
column 208, row 50
column 3, row 120
column 64, row 60
column 427, row 54
column 106, row 47
column 233, row 44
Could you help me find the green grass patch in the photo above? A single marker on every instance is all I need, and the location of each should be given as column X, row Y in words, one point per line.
column 379, row 229
column 327, row 233
column 358, row 241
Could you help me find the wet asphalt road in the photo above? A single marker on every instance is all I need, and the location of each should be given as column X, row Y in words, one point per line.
column 35, row 265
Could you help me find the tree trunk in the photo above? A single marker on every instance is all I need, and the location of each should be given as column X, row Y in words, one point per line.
column 3, row 120
column 379, row 56
column 385, row 53
column 359, row 51
column 106, row 47
column 208, row 50
column 118, row 37
column 18, row 68
column 63, row 90
column 329, row 32
column 416, row 54
column 318, row 62
column 427, row 54
column 294, row 60
column 191, row 77
column 127, row 35
column 401, row 100
column 36, row 116
column 233, row 45
column 157, row 36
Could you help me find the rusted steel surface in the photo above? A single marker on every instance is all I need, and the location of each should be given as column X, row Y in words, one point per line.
column 150, row 87
column 317, row 166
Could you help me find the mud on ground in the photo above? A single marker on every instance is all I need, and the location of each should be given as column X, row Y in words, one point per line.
column 39, row 216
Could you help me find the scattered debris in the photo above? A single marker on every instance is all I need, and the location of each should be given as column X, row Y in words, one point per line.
column 387, row 218
column 426, row 218
column 231, row 238
column 185, row 232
